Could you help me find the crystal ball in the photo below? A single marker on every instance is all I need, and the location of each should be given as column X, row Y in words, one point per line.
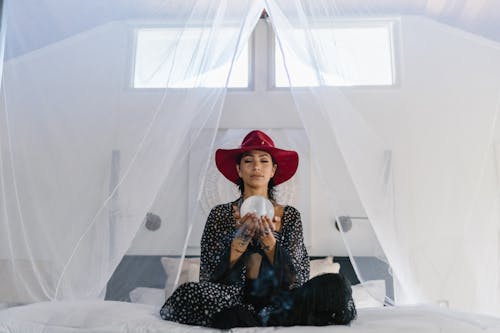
column 259, row 205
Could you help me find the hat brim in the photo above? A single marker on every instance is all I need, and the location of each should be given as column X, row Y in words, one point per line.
column 287, row 161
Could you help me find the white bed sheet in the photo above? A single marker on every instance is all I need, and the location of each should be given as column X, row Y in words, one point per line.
column 111, row 317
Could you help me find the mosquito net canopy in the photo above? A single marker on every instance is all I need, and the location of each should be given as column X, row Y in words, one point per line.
column 111, row 113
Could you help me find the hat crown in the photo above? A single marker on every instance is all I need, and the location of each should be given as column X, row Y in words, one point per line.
column 257, row 138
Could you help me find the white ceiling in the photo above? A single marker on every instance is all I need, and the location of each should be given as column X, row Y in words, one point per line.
column 39, row 23
column 481, row 17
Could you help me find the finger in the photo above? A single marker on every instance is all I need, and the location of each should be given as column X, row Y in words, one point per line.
column 264, row 228
column 246, row 219
column 269, row 224
column 250, row 234
column 242, row 229
column 247, row 231
column 255, row 221
column 247, row 222
column 254, row 226
column 272, row 224
column 240, row 221
column 236, row 212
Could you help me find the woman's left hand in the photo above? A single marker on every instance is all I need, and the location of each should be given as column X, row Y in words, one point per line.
column 266, row 236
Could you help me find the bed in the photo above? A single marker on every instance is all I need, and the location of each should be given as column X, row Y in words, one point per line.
column 140, row 297
column 112, row 316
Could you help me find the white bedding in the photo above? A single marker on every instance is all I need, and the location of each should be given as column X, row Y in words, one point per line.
column 111, row 317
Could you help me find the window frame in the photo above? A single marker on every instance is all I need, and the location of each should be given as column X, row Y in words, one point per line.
column 134, row 29
column 394, row 24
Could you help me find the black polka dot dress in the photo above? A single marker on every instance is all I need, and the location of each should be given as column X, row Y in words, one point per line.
column 220, row 286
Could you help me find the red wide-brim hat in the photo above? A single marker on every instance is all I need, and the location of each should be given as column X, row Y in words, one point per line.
column 287, row 160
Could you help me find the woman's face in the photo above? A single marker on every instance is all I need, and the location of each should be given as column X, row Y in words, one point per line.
column 256, row 168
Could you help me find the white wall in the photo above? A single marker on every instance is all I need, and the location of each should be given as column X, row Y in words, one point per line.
column 459, row 59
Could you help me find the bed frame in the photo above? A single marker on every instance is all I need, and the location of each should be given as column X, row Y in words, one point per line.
column 148, row 272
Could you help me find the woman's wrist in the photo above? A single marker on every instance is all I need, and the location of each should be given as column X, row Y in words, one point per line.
column 268, row 247
column 237, row 249
column 269, row 250
column 240, row 244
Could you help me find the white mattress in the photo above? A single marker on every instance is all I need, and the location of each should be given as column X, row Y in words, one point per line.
column 110, row 317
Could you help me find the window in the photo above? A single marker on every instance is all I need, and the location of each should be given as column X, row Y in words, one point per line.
column 359, row 54
column 174, row 58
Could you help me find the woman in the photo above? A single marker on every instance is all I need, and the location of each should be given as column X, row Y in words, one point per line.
column 236, row 251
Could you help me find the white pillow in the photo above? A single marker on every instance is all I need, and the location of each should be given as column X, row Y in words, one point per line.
column 151, row 296
column 190, row 272
column 370, row 294
column 321, row 266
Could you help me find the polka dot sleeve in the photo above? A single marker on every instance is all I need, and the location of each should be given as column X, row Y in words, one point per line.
column 216, row 241
column 293, row 244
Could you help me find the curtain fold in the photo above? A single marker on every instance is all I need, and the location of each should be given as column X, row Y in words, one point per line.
column 3, row 34
column 84, row 152
column 425, row 173
column 330, row 120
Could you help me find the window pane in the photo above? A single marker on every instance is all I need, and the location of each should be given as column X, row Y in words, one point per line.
column 358, row 56
column 175, row 58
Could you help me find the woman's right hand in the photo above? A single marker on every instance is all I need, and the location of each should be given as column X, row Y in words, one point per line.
column 246, row 228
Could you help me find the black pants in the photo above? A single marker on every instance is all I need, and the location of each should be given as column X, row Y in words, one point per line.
column 237, row 316
column 241, row 316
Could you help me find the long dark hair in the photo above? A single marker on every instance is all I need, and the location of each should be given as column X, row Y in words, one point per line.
column 271, row 191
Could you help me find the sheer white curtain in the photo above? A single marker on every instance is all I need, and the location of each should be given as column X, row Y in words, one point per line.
column 338, row 133
column 88, row 143
column 3, row 31
column 422, row 162
column 83, row 151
